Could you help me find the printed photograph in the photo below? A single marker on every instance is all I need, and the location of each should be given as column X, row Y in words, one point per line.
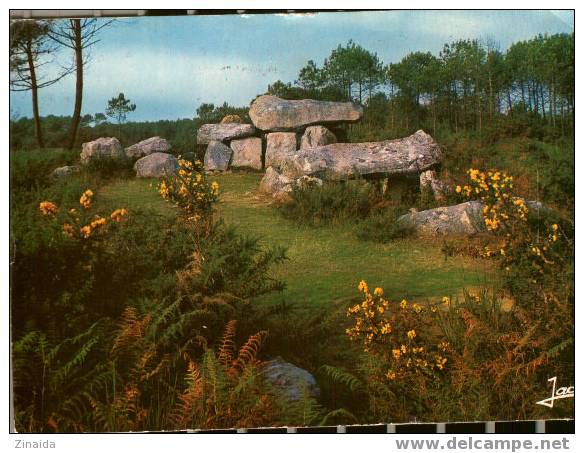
column 291, row 219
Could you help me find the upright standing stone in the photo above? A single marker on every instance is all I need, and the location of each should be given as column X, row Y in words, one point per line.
column 102, row 148
column 247, row 152
column 279, row 146
column 156, row 165
column 429, row 181
column 270, row 113
column 317, row 136
column 217, row 156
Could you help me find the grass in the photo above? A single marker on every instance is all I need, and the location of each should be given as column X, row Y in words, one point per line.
column 134, row 194
column 326, row 263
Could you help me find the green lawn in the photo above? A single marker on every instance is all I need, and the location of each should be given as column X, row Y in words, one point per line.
column 326, row 263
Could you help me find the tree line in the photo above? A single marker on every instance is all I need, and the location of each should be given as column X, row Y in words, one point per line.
column 467, row 85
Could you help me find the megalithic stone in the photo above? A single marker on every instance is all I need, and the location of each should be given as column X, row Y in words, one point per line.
column 270, row 113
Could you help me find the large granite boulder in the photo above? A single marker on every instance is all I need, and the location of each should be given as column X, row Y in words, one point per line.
column 223, row 132
column 410, row 155
column 156, row 165
column 64, row 171
column 465, row 218
column 274, row 184
column 148, row 146
column 247, row 152
column 279, row 146
column 317, row 136
column 102, row 148
column 217, row 156
column 270, row 113
column 293, row 382
column 279, row 186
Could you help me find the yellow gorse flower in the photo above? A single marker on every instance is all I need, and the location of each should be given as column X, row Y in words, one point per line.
column 86, row 198
column 119, row 214
column 68, row 230
column 48, row 208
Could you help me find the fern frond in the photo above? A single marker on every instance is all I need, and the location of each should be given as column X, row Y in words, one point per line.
column 343, row 377
column 227, row 345
column 249, row 351
column 190, row 400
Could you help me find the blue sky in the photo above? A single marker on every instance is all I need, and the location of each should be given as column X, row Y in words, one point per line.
column 168, row 66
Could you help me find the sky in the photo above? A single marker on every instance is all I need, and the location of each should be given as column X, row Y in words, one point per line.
column 168, row 66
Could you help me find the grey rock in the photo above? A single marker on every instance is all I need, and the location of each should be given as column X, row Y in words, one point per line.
column 64, row 171
column 156, row 165
column 317, row 136
column 292, row 381
column 270, row 113
column 102, row 148
column 217, row 156
column 247, row 152
column 410, row 155
column 279, row 146
column 429, row 181
column 279, row 186
column 274, row 184
column 223, row 132
column 148, row 146
column 465, row 218
column 305, row 182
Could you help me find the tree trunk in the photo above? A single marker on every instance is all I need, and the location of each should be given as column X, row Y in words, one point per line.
column 553, row 103
column 78, row 84
column 510, row 103
column 38, row 133
column 542, row 98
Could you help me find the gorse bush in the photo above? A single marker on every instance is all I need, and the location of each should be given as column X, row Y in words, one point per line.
column 190, row 190
column 436, row 361
column 533, row 249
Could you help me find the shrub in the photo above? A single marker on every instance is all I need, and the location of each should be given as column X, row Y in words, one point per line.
column 226, row 262
column 440, row 361
column 383, row 227
column 106, row 168
column 190, row 190
column 333, row 202
column 32, row 169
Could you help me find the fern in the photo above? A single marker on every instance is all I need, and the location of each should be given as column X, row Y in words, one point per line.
column 249, row 351
column 340, row 376
column 227, row 345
